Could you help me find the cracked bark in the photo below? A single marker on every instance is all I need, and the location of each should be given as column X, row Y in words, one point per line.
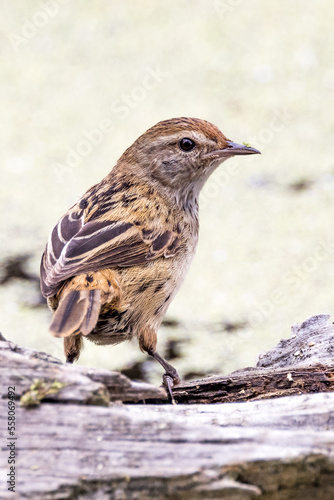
column 83, row 442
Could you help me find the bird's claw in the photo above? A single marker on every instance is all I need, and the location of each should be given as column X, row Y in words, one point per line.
column 168, row 383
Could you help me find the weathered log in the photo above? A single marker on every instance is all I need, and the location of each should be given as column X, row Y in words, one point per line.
column 311, row 343
column 73, row 444
column 302, row 364
column 275, row 449
column 77, row 384
column 253, row 384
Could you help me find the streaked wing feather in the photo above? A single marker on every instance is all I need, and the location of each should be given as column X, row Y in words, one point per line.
column 75, row 248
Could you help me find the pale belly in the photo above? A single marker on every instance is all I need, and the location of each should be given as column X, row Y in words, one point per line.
column 147, row 293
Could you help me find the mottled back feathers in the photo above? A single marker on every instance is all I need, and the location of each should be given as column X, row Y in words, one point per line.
column 80, row 243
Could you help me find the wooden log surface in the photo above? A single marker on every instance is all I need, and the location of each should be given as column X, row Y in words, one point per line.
column 82, row 385
column 75, row 444
column 301, row 364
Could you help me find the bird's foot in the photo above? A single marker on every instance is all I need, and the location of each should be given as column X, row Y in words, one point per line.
column 170, row 377
column 168, row 383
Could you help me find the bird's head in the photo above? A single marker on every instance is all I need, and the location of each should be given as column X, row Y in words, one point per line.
column 178, row 155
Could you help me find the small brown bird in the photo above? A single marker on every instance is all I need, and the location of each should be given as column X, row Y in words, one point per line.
column 116, row 259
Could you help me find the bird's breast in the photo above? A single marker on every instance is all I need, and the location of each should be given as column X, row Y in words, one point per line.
column 148, row 290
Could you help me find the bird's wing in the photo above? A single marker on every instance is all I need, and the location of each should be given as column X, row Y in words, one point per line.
column 76, row 247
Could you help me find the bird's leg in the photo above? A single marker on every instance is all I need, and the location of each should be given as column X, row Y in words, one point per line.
column 147, row 343
column 170, row 377
column 72, row 347
column 70, row 358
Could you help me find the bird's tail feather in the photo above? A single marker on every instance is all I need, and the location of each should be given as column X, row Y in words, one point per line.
column 78, row 312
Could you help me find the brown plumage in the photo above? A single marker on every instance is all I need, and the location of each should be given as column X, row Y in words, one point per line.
column 115, row 260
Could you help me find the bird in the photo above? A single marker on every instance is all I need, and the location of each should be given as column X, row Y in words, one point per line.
column 115, row 261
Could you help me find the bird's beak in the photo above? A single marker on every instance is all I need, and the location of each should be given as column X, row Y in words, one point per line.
column 233, row 149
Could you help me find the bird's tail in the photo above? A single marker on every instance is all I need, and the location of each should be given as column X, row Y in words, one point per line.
column 77, row 312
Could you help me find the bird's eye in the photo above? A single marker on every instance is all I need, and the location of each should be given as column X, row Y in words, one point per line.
column 187, row 144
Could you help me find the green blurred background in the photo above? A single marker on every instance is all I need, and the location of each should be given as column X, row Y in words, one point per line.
column 261, row 71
